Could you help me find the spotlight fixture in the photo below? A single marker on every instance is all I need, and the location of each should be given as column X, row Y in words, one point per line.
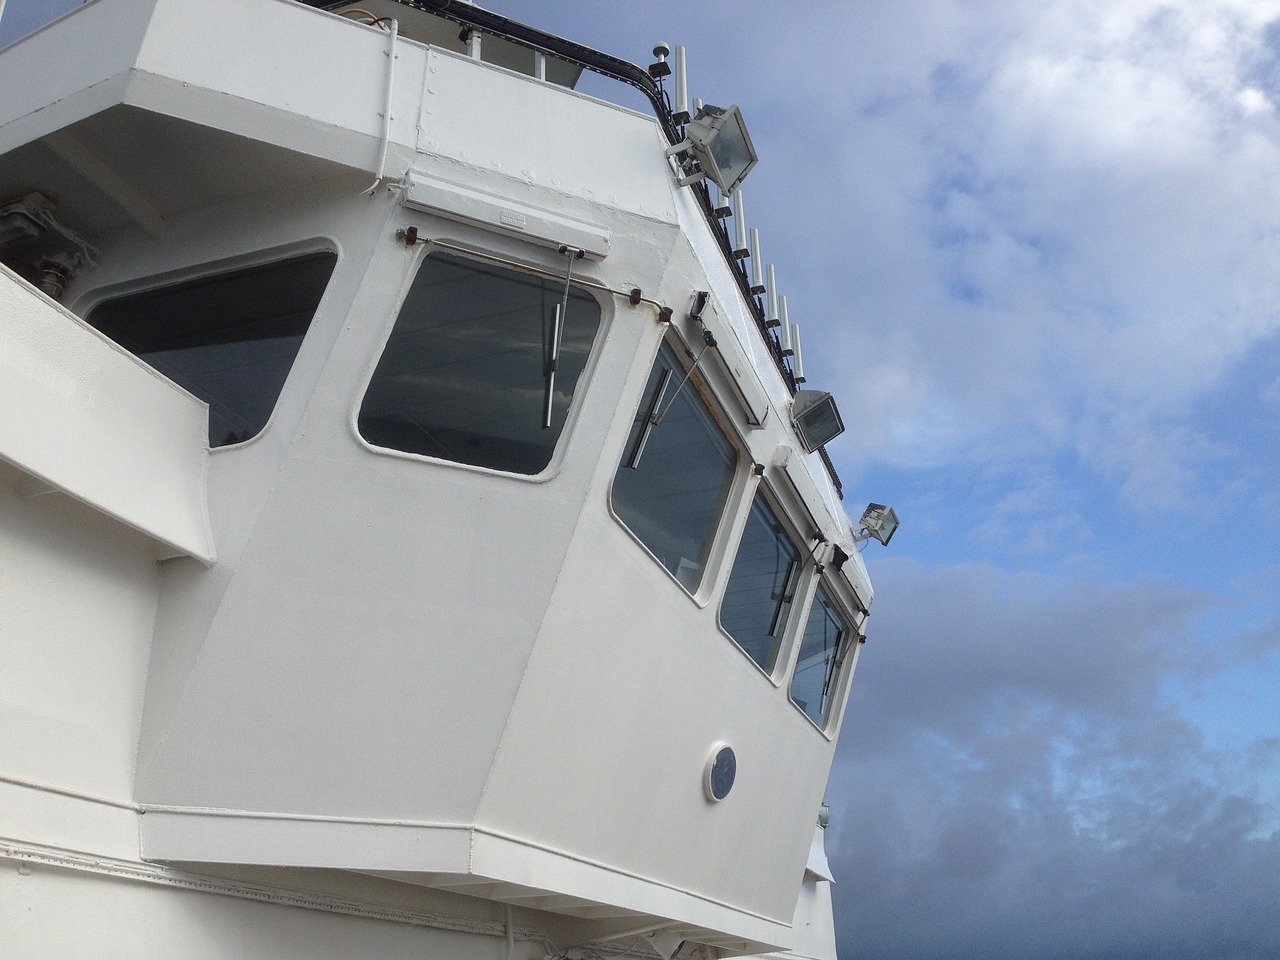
column 816, row 419
column 717, row 138
column 879, row 521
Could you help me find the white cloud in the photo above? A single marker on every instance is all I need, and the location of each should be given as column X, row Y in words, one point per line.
column 1067, row 227
column 1254, row 101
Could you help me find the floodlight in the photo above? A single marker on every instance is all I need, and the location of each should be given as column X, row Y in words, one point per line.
column 816, row 419
column 718, row 139
column 878, row 521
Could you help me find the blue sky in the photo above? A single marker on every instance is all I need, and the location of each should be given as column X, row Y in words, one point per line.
column 1035, row 248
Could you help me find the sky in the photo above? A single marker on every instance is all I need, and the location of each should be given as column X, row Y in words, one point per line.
column 1035, row 249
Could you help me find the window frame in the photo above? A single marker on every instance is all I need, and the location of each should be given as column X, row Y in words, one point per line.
column 801, row 593
column 740, row 488
column 843, row 598
column 488, row 260
column 91, row 300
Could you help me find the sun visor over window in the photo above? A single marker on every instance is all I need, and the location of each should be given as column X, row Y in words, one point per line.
column 498, row 213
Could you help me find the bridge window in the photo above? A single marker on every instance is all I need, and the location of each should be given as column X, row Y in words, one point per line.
column 675, row 476
column 467, row 370
column 758, row 599
column 230, row 338
column 826, row 643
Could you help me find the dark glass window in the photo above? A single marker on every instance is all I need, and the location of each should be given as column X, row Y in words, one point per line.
column 466, row 372
column 761, row 587
column 230, row 339
column 823, row 649
column 675, row 476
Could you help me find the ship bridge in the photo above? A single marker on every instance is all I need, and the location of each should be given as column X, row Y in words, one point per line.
column 430, row 488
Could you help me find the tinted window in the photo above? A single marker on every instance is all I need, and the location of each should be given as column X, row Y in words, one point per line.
column 675, row 475
column 466, row 371
column 230, row 339
column 762, row 586
column 823, row 648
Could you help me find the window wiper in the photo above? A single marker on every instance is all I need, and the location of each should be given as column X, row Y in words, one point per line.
column 655, row 414
column 836, row 661
column 783, row 596
column 651, row 418
column 557, row 332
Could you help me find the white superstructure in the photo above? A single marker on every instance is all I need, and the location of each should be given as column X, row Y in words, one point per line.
column 377, row 576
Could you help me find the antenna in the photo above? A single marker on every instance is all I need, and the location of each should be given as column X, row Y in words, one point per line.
column 723, row 209
column 776, row 311
column 681, row 114
column 797, row 363
column 660, row 68
column 784, row 330
column 771, row 320
column 757, row 266
column 740, row 251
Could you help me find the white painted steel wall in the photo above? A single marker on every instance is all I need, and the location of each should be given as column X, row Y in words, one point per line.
column 55, row 912
column 78, row 595
column 85, row 417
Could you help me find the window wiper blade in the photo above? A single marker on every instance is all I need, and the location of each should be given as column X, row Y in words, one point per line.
column 650, row 418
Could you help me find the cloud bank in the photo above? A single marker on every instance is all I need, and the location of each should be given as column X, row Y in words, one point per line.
column 1014, row 780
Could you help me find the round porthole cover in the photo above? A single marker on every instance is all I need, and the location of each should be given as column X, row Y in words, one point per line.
column 722, row 770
